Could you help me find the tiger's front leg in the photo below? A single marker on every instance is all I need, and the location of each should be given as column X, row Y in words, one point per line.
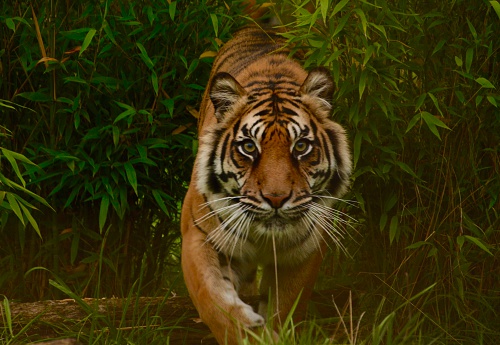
column 293, row 281
column 212, row 284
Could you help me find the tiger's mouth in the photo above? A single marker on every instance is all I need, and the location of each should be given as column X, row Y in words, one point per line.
column 278, row 218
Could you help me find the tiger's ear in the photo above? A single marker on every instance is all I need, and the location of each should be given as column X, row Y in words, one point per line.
column 225, row 91
column 319, row 84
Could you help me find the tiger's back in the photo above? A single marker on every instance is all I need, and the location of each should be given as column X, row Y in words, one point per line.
column 248, row 46
column 270, row 165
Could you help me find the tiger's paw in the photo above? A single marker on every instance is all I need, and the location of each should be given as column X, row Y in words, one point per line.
column 248, row 318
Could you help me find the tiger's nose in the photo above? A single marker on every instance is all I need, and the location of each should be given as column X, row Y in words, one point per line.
column 276, row 200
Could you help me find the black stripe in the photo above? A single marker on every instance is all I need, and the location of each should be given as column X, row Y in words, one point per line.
column 223, row 151
column 289, row 111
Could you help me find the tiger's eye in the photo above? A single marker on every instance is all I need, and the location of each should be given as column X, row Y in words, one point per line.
column 301, row 146
column 249, row 146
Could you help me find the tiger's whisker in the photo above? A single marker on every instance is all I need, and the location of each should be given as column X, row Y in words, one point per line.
column 316, row 194
column 218, row 211
column 328, row 212
column 218, row 200
column 321, row 216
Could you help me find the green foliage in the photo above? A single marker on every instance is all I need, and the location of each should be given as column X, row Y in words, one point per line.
column 11, row 201
column 101, row 97
column 98, row 98
column 418, row 90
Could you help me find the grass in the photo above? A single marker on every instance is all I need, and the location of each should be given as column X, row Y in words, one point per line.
column 346, row 324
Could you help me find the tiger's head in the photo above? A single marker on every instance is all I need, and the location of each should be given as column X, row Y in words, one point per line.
column 273, row 162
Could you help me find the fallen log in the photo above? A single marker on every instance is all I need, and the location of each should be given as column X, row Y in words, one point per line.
column 129, row 314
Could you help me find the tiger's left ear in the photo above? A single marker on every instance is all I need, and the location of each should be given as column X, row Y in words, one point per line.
column 319, row 84
column 225, row 91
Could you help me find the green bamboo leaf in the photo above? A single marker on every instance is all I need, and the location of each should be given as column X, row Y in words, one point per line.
column 171, row 9
column 383, row 221
column 194, row 147
column 116, row 135
column 20, row 157
column 432, row 123
column 32, row 220
column 362, row 18
column 144, row 56
column 485, row 83
column 436, row 102
column 87, row 40
column 192, row 67
column 124, row 106
column 418, row 245
column 342, row 22
column 478, row 243
column 472, row 29
column 324, row 5
column 103, row 212
column 10, row 157
column 37, row 96
column 159, row 200
column 420, row 101
column 380, row 28
column 368, row 54
column 215, row 23
column 465, row 75
column 143, row 160
column 30, row 193
column 492, row 100
column 8, row 315
column 339, row 7
column 14, row 206
column 406, row 168
column 108, row 32
column 479, row 99
column 113, row 200
column 72, row 195
column 460, row 96
column 61, row 285
column 469, row 56
column 362, row 82
column 424, row 291
column 438, row 46
column 124, row 115
column 496, row 7
column 2, row 196
column 74, row 79
column 154, row 81
column 10, row 24
column 131, row 175
column 413, row 122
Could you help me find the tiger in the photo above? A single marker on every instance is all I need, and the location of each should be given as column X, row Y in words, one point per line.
column 270, row 165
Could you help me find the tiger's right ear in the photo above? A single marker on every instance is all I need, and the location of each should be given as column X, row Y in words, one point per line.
column 224, row 92
column 319, row 84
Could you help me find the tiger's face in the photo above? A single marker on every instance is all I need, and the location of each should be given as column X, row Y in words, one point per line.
column 274, row 162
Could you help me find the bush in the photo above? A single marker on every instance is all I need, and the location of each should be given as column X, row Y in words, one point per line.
column 418, row 89
column 101, row 96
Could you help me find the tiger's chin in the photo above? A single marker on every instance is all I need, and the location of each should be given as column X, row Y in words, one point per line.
column 277, row 224
column 285, row 231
